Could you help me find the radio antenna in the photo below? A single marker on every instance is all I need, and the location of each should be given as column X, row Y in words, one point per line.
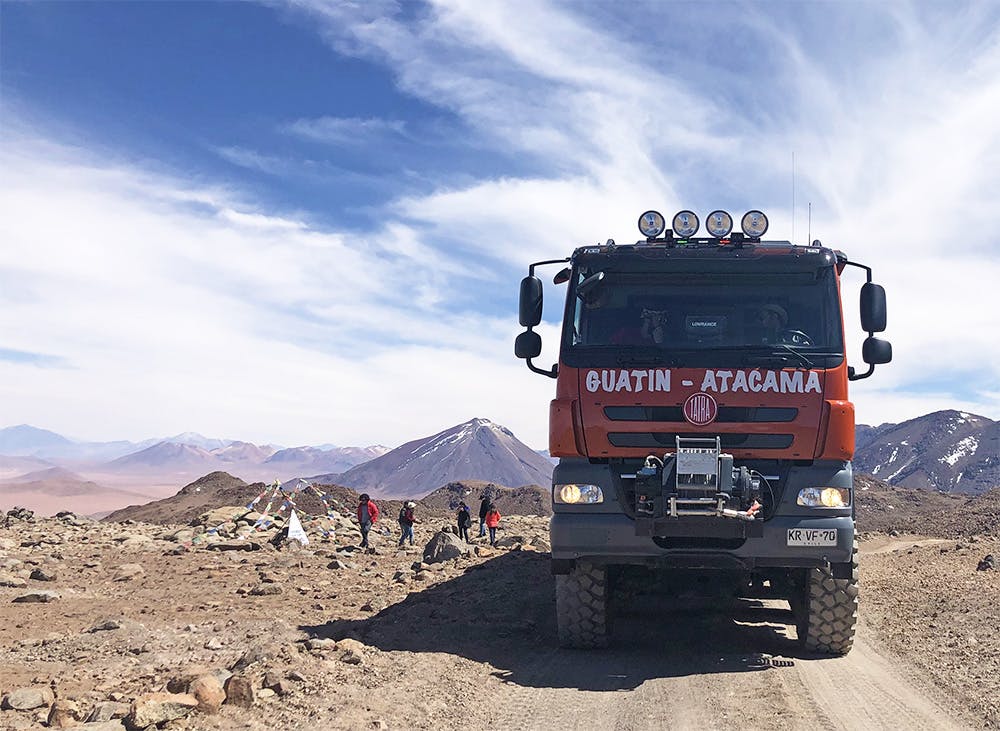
column 810, row 229
column 793, row 196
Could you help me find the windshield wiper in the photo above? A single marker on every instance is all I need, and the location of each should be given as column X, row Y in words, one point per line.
column 801, row 358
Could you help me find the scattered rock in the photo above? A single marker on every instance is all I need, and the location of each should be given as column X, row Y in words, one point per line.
column 987, row 564
column 106, row 626
column 128, row 571
column 444, row 547
column 240, row 692
column 40, row 575
column 37, row 597
column 157, row 708
column 64, row 713
column 265, row 590
column 107, row 711
column 209, row 693
column 26, row 699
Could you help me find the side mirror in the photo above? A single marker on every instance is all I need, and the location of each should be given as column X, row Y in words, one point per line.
column 562, row 276
column 528, row 345
column 530, row 303
column 872, row 309
column 875, row 351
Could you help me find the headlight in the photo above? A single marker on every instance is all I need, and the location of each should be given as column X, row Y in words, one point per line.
column 824, row 497
column 575, row 494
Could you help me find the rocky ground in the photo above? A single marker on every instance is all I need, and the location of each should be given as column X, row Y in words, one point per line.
column 136, row 625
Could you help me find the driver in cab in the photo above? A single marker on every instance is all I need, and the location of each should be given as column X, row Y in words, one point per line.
column 774, row 321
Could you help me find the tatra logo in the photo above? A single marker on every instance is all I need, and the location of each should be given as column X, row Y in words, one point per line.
column 637, row 380
column 700, row 409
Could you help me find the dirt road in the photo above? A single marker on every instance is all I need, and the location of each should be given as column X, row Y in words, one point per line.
column 702, row 665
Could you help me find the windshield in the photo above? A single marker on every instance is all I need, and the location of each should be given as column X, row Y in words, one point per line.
column 796, row 311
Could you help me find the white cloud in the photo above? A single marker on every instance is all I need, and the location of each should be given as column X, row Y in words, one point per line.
column 229, row 320
column 346, row 130
column 896, row 149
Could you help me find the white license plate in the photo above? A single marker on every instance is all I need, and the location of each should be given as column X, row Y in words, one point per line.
column 812, row 536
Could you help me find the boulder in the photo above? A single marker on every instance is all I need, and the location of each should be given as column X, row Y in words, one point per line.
column 209, row 692
column 444, row 547
column 240, row 691
column 64, row 714
column 128, row 571
column 156, row 708
column 26, row 699
column 37, row 597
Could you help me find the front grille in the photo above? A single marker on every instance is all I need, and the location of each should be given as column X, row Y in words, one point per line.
column 727, row 414
column 667, row 440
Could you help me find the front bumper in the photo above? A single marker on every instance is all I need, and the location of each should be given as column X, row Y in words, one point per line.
column 611, row 538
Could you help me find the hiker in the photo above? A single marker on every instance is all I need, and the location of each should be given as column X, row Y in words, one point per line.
column 492, row 520
column 367, row 515
column 406, row 521
column 464, row 521
column 484, row 506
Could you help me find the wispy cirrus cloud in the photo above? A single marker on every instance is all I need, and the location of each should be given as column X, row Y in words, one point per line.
column 346, row 130
column 888, row 122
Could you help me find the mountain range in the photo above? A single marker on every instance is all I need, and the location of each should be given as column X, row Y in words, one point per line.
column 949, row 451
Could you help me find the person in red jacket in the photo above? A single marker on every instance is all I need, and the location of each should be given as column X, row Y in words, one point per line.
column 492, row 521
column 367, row 515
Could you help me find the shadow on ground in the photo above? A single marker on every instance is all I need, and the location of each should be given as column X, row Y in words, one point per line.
column 502, row 612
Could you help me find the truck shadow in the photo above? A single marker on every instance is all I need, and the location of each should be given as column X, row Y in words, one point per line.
column 502, row 612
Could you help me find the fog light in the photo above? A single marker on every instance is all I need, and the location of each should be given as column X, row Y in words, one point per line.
column 577, row 494
column 824, row 497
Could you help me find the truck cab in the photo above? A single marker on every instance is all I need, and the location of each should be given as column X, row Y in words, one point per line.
column 702, row 421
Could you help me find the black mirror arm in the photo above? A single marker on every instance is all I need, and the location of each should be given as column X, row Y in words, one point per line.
column 852, row 376
column 551, row 373
column 531, row 267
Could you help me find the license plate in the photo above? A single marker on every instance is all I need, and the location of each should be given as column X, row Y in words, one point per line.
column 812, row 537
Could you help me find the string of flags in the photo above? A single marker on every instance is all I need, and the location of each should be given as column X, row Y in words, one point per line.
column 268, row 518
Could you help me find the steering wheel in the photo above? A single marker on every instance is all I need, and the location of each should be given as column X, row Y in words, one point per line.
column 795, row 337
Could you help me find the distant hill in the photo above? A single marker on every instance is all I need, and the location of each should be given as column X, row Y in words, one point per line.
column 24, row 440
column 884, row 508
column 951, row 451
column 475, row 450
column 527, row 500
column 170, row 456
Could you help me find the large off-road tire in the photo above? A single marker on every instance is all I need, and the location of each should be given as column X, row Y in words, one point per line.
column 582, row 606
column 828, row 616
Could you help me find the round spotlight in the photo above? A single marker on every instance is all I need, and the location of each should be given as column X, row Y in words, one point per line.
column 719, row 224
column 685, row 224
column 754, row 224
column 651, row 224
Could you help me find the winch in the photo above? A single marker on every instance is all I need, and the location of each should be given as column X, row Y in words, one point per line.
column 697, row 479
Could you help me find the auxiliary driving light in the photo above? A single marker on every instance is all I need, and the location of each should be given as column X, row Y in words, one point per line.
column 685, row 224
column 652, row 224
column 754, row 224
column 824, row 497
column 719, row 224
column 576, row 494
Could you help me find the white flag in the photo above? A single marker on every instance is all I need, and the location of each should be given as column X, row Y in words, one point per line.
column 295, row 529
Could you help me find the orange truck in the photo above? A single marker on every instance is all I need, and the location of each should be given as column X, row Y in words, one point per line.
column 702, row 422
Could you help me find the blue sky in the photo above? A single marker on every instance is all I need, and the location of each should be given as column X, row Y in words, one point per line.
column 305, row 222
